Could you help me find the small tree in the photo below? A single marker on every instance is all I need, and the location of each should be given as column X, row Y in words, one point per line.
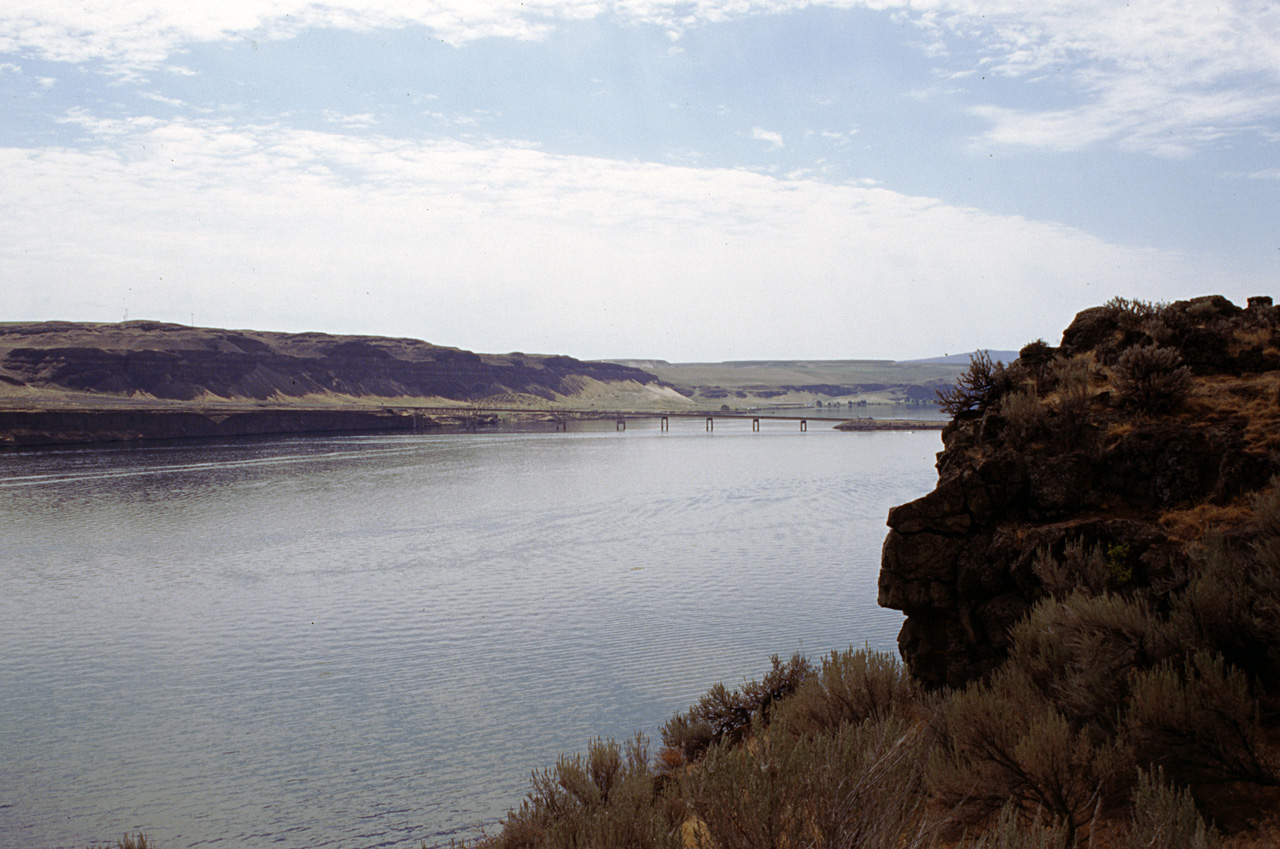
column 983, row 383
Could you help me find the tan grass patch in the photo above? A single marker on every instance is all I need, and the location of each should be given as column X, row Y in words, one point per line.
column 1251, row 337
column 1191, row 523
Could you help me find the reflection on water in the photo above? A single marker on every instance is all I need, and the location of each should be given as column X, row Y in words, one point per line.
column 372, row 640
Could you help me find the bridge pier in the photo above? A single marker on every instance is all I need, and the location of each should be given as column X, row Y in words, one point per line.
column 804, row 424
column 664, row 424
column 562, row 424
column 755, row 425
column 622, row 425
column 711, row 424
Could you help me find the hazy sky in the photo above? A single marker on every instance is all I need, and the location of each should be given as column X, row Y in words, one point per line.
column 639, row 178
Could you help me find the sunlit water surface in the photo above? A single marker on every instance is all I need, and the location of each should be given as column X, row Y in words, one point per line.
column 365, row 641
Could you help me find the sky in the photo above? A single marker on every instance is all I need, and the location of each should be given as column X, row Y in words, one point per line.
column 674, row 179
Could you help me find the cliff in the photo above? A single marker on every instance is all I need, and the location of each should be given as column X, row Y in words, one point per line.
column 1145, row 426
column 170, row 362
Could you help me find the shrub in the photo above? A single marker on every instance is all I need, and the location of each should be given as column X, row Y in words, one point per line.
column 1010, row 832
column 1080, row 651
column 725, row 715
column 1165, row 817
column 981, row 385
column 607, row 798
column 860, row 786
column 1080, row 569
column 1196, row 720
column 1003, row 743
column 1131, row 314
column 137, row 840
column 1152, row 378
column 1024, row 416
column 1229, row 605
column 850, row 688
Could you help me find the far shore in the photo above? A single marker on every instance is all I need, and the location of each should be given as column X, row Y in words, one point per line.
column 31, row 422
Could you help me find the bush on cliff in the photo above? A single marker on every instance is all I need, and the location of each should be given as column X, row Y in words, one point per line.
column 982, row 384
column 1100, row 563
column 1152, row 378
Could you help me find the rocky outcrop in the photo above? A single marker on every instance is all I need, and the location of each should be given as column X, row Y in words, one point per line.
column 1074, row 446
column 176, row 362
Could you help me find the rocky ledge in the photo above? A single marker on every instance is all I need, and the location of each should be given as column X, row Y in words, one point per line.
column 1147, row 424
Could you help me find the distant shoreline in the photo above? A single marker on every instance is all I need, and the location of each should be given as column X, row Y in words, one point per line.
column 34, row 426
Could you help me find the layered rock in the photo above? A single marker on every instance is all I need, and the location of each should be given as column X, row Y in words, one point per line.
column 176, row 362
column 1069, row 446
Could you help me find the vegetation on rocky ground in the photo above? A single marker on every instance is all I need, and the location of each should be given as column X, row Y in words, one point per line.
column 1127, row 692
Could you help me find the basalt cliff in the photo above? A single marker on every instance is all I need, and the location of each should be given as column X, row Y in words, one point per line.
column 67, row 382
column 179, row 363
column 1147, row 425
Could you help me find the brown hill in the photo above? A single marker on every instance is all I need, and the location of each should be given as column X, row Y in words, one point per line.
column 168, row 362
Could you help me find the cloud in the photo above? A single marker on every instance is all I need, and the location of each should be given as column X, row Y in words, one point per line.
column 1164, row 77
column 774, row 139
column 361, row 121
column 501, row 247
column 1159, row 76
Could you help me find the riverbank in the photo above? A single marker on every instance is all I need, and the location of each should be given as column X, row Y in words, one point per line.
column 83, row 425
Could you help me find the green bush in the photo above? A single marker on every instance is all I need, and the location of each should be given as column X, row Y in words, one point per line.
column 1003, row 743
column 850, row 688
column 1165, row 817
column 607, row 798
column 1024, row 417
column 1196, row 720
column 1152, row 379
column 1081, row 569
column 860, row 786
column 1230, row 604
column 1073, row 418
column 1080, row 651
column 1012, row 831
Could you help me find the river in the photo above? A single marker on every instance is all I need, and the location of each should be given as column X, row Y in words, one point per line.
column 360, row 641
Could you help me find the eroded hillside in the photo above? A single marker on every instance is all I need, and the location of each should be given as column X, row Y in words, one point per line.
column 170, row 362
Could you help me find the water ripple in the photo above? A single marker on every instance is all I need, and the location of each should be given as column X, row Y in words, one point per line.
column 372, row 641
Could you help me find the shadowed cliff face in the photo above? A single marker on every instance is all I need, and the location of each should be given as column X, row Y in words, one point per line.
column 175, row 362
column 1148, row 424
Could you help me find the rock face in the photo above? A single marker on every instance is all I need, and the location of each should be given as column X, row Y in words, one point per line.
column 1145, row 422
column 176, row 362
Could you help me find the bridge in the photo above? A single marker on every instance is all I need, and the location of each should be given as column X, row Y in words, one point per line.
column 472, row 416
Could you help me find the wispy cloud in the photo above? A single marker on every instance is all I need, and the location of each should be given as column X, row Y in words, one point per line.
column 501, row 246
column 363, row 120
column 774, row 139
column 1163, row 77
column 1160, row 76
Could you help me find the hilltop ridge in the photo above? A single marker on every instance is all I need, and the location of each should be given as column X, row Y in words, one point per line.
column 177, row 363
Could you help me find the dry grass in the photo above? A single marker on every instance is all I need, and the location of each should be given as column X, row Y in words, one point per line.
column 1188, row 524
column 1253, row 399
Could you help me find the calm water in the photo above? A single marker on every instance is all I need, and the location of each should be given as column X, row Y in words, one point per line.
column 372, row 640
